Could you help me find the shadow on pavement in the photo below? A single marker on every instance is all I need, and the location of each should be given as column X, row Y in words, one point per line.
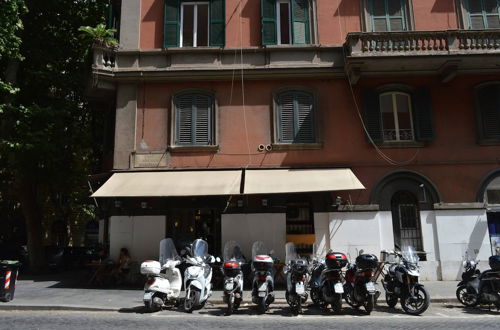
column 478, row 310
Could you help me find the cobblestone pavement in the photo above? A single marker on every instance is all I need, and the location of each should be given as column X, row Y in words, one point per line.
column 438, row 316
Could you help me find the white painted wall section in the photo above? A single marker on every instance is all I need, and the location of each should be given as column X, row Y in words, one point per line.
column 322, row 233
column 248, row 228
column 141, row 235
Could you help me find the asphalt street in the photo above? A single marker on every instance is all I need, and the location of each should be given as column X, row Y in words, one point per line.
column 438, row 316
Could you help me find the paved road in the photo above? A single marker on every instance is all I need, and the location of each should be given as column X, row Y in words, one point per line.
column 438, row 316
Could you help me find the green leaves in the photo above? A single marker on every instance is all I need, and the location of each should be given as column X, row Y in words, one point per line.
column 100, row 35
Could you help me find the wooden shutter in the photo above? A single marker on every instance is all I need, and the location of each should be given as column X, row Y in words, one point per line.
column 217, row 23
column 422, row 115
column 172, row 19
column 488, row 100
column 286, row 117
column 184, row 119
column 304, row 113
column 300, row 21
column 268, row 22
column 202, row 119
column 373, row 120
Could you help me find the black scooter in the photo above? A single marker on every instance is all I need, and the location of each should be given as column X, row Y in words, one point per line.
column 480, row 288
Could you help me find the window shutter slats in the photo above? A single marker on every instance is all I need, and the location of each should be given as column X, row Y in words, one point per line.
column 217, row 23
column 300, row 21
column 184, row 107
column 194, row 120
column 171, row 29
column 268, row 22
column 286, row 124
column 202, row 110
column 489, row 107
column 422, row 114
column 373, row 121
column 305, row 116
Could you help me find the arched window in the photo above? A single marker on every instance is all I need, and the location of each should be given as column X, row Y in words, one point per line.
column 396, row 112
column 295, row 117
column 406, row 220
column 194, row 119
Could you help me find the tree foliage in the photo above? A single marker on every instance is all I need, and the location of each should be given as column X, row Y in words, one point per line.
column 48, row 141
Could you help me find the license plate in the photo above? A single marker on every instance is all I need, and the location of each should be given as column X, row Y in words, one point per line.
column 299, row 288
column 339, row 288
column 229, row 285
column 262, row 294
column 370, row 287
column 148, row 296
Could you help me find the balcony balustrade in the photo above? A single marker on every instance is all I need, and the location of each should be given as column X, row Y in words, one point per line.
column 423, row 43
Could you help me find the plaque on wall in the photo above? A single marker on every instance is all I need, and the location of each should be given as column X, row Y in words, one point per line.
column 151, row 160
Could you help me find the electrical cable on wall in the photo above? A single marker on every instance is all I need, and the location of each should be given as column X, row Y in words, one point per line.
column 377, row 149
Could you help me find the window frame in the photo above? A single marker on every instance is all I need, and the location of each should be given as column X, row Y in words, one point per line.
column 395, row 112
column 213, row 123
column 367, row 19
column 483, row 139
column 276, row 122
column 195, row 22
column 466, row 15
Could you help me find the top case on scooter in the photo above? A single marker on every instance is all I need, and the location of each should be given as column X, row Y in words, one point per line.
column 150, row 267
column 262, row 263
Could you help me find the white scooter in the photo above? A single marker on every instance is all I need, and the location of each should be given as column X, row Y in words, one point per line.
column 164, row 280
column 263, row 281
column 198, row 276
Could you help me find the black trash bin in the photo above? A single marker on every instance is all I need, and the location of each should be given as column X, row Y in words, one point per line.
column 9, row 270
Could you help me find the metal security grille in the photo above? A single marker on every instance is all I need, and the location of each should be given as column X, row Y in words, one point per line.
column 410, row 226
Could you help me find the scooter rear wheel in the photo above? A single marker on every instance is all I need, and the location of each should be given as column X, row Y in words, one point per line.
column 230, row 304
column 337, row 304
column 370, row 302
column 151, row 306
column 391, row 300
column 262, row 307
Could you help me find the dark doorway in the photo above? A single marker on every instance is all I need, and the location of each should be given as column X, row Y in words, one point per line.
column 406, row 221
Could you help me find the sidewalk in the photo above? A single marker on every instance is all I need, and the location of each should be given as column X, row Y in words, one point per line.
column 62, row 292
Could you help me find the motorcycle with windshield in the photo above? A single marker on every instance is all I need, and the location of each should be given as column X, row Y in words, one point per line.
column 263, row 281
column 198, row 275
column 360, row 288
column 297, row 277
column 480, row 288
column 233, row 276
column 164, row 282
column 400, row 281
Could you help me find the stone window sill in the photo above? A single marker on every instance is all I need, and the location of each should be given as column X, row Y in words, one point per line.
column 296, row 146
column 174, row 149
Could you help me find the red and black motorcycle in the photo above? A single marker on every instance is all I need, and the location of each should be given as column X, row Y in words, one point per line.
column 360, row 289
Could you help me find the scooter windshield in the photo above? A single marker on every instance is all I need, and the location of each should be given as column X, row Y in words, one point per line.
column 232, row 251
column 258, row 248
column 167, row 251
column 291, row 252
column 200, row 248
column 409, row 254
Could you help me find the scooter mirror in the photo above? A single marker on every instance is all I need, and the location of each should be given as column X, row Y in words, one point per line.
column 217, row 259
column 211, row 259
column 361, row 252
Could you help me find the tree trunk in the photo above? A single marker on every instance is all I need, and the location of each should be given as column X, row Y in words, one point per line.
column 27, row 195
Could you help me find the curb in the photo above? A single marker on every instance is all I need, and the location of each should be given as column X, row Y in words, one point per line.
column 279, row 302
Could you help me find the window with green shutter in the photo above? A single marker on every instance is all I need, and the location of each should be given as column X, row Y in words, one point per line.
column 387, row 15
column 194, row 120
column 483, row 14
column 285, row 22
column 194, row 23
column 398, row 115
column 295, row 117
column 488, row 106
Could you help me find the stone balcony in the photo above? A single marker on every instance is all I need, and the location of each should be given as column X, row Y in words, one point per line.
column 212, row 63
column 447, row 53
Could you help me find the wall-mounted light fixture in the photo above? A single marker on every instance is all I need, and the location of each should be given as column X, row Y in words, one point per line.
column 239, row 203
column 264, row 201
column 118, row 204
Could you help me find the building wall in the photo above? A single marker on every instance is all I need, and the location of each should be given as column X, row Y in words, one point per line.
column 335, row 19
column 242, row 126
column 248, row 228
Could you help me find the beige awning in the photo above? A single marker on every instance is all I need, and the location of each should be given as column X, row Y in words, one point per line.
column 300, row 180
column 175, row 183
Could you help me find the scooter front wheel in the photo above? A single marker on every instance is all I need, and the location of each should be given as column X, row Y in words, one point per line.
column 465, row 298
column 192, row 300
